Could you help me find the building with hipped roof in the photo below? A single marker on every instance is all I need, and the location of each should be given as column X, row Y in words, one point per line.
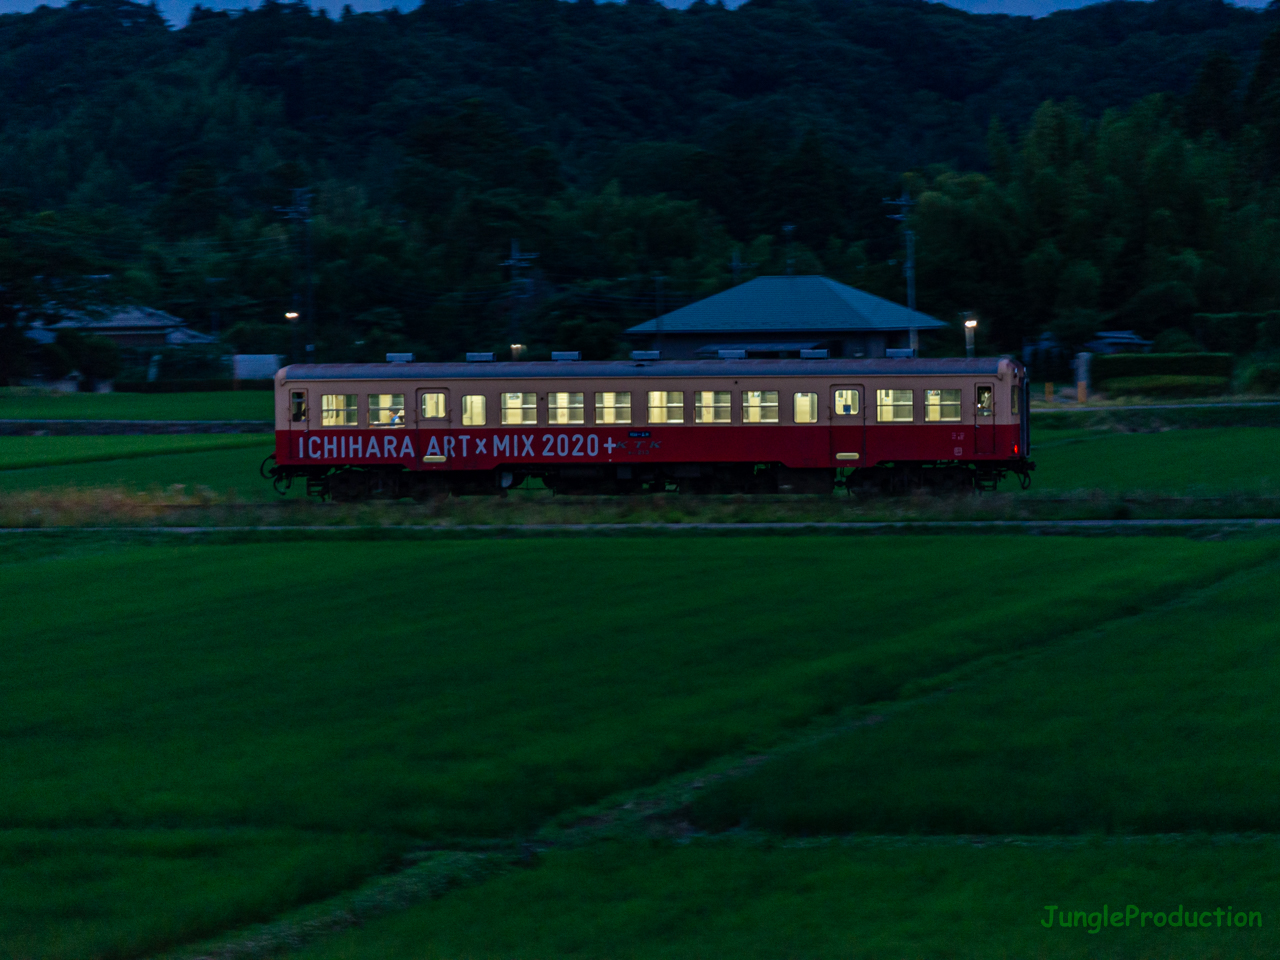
column 779, row 317
column 126, row 327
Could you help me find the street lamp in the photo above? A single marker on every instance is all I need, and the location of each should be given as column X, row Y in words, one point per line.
column 970, row 328
column 292, row 317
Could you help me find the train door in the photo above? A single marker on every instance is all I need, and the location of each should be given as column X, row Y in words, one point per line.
column 431, row 408
column 299, row 409
column 848, row 418
column 984, row 419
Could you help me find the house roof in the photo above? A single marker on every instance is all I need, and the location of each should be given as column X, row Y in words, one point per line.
column 786, row 304
column 124, row 319
column 128, row 321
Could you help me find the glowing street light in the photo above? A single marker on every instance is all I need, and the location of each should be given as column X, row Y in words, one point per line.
column 291, row 315
column 970, row 328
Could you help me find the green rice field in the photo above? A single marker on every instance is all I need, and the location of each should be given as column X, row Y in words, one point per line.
column 1208, row 462
column 1160, row 723
column 226, row 464
column 1179, row 462
column 201, row 737
column 17, row 404
column 26, row 453
column 881, row 898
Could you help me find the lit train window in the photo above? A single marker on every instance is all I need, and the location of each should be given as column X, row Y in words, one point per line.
column 338, row 410
column 613, row 407
column 712, row 406
column 433, row 407
column 895, row 405
column 565, row 408
column 519, row 408
column 473, row 410
column 942, row 406
column 846, row 403
column 666, row 406
column 386, row 409
column 985, row 398
column 759, row 406
column 805, row 406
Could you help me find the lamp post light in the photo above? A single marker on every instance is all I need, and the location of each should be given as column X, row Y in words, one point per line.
column 292, row 317
column 970, row 329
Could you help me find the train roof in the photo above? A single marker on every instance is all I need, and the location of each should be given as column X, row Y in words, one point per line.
column 596, row 369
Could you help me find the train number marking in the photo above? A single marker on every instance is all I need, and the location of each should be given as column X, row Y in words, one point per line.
column 577, row 444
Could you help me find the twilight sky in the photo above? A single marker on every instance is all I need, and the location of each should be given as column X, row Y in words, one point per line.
column 176, row 10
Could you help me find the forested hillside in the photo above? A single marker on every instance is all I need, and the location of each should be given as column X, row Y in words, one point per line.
column 1110, row 166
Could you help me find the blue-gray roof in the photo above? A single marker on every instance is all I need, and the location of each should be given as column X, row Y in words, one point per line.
column 593, row 369
column 785, row 304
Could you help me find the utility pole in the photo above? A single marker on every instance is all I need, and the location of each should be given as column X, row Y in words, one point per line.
column 905, row 203
column 658, row 307
column 517, row 262
column 299, row 212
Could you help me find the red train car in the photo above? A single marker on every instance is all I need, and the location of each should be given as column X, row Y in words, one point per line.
column 352, row 431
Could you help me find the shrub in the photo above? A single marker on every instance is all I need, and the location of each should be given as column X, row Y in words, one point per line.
column 190, row 386
column 1168, row 385
column 1117, row 365
column 1263, row 378
column 1175, row 340
column 1237, row 332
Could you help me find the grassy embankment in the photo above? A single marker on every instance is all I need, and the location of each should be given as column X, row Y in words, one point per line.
column 188, row 732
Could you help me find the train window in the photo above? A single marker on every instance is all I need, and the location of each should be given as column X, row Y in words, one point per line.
column 1015, row 400
column 298, row 406
column 846, row 403
column 759, row 406
column 712, row 406
column 386, row 409
column 985, row 401
column 473, row 410
column 666, row 406
column 519, row 408
column 894, row 405
column 433, row 406
column 613, row 407
column 942, row 406
column 565, row 408
column 338, row 410
column 805, row 406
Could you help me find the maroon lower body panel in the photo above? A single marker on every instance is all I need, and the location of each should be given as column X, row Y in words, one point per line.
column 799, row 447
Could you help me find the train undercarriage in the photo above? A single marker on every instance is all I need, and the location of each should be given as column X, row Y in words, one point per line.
column 349, row 484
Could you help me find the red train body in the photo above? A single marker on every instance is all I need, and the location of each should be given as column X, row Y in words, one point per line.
column 361, row 430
